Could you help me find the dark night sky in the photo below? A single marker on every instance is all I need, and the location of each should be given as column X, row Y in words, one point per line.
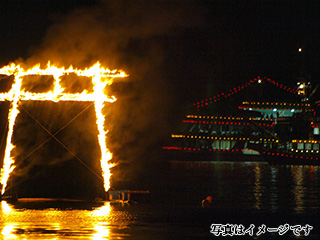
column 221, row 41
column 176, row 52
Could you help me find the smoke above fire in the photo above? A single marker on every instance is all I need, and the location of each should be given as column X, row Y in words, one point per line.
column 116, row 33
column 127, row 35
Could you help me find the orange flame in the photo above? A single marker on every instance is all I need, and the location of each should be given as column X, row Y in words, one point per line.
column 101, row 77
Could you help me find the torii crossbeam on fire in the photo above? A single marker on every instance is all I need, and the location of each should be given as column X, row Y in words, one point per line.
column 101, row 77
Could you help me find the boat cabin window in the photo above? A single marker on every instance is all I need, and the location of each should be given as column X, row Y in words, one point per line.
column 216, row 144
column 300, row 146
column 308, row 146
column 225, row 145
column 316, row 146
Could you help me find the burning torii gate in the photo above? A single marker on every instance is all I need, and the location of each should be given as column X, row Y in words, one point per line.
column 100, row 77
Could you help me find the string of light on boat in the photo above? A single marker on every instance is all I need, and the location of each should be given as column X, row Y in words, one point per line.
column 235, row 90
column 225, row 138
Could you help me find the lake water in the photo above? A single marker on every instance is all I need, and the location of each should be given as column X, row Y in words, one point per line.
column 244, row 193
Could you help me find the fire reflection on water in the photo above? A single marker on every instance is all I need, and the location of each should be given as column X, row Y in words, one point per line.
column 55, row 223
column 8, row 228
column 7, row 231
column 102, row 211
column 101, row 231
column 5, row 207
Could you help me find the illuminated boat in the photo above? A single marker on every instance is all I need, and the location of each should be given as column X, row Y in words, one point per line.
column 261, row 120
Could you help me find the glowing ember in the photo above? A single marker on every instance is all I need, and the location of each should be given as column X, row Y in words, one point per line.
column 101, row 77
